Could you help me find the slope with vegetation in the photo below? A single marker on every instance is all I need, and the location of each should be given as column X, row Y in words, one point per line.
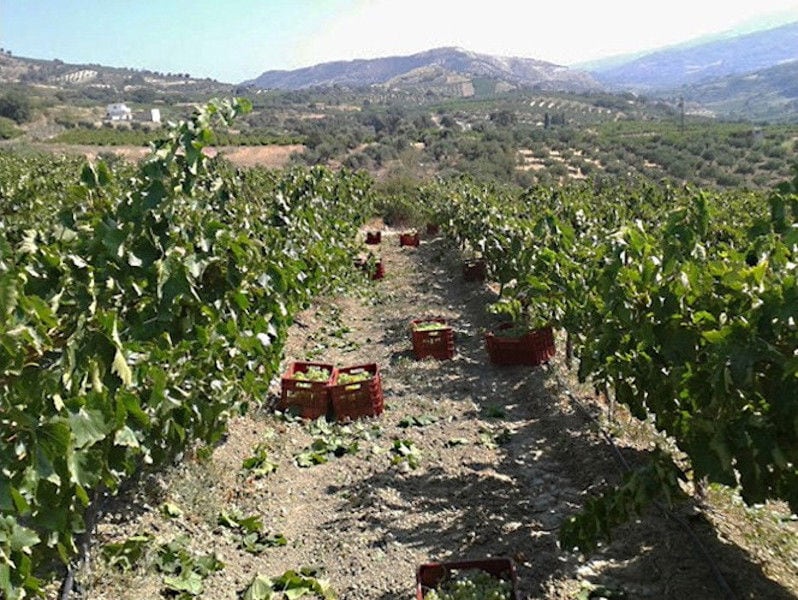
column 527, row 138
column 766, row 95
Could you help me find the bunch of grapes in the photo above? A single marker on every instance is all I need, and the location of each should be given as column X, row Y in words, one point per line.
column 472, row 585
column 344, row 378
column 313, row 373
column 430, row 326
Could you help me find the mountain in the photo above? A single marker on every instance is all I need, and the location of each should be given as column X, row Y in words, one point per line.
column 765, row 95
column 700, row 62
column 432, row 68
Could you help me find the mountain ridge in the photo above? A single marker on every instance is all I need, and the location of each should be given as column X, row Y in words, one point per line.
column 454, row 60
column 693, row 63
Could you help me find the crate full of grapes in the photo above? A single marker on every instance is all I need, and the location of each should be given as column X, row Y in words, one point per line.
column 511, row 344
column 357, row 392
column 378, row 271
column 474, row 269
column 305, row 389
column 409, row 238
column 432, row 337
column 371, row 265
column 484, row 579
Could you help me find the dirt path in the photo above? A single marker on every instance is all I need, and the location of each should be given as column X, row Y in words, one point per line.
column 503, row 460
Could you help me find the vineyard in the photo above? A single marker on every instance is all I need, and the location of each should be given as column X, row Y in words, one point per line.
column 146, row 311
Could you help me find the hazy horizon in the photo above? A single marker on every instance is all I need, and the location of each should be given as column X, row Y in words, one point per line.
column 239, row 40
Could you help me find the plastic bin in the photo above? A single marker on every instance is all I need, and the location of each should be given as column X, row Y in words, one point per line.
column 437, row 343
column 374, row 268
column 352, row 401
column 533, row 348
column 409, row 239
column 379, row 270
column 430, row 575
column 308, row 399
column 474, row 269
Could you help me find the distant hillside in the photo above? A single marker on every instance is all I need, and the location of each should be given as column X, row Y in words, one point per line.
column 102, row 82
column 770, row 94
column 697, row 63
column 432, row 68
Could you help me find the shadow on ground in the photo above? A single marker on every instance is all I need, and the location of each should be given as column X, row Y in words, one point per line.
column 550, row 463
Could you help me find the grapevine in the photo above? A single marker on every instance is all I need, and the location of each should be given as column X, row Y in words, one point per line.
column 679, row 303
column 139, row 308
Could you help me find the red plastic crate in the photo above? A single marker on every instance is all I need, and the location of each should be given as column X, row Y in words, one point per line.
column 438, row 343
column 409, row 239
column 474, row 269
column 376, row 269
column 308, row 399
column 379, row 270
column 359, row 399
column 430, row 575
column 373, row 237
column 533, row 348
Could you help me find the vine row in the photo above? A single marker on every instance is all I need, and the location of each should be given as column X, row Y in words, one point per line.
column 680, row 304
column 140, row 307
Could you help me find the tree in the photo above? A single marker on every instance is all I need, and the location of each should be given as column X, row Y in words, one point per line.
column 143, row 95
column 16, row 106
column 7, row 129
column 503, row 118
column 448, row 122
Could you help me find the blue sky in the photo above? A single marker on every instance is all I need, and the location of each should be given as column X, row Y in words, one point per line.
column 234, row 40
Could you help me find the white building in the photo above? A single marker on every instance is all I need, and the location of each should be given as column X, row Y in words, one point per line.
column 118, row 112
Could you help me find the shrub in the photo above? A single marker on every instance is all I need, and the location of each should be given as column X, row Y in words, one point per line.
column 15, row 106
column 744, row 168
column 398, row 203
column 729, row 180
column 8, row 129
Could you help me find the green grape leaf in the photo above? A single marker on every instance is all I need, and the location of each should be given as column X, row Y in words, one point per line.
column 88, row 427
